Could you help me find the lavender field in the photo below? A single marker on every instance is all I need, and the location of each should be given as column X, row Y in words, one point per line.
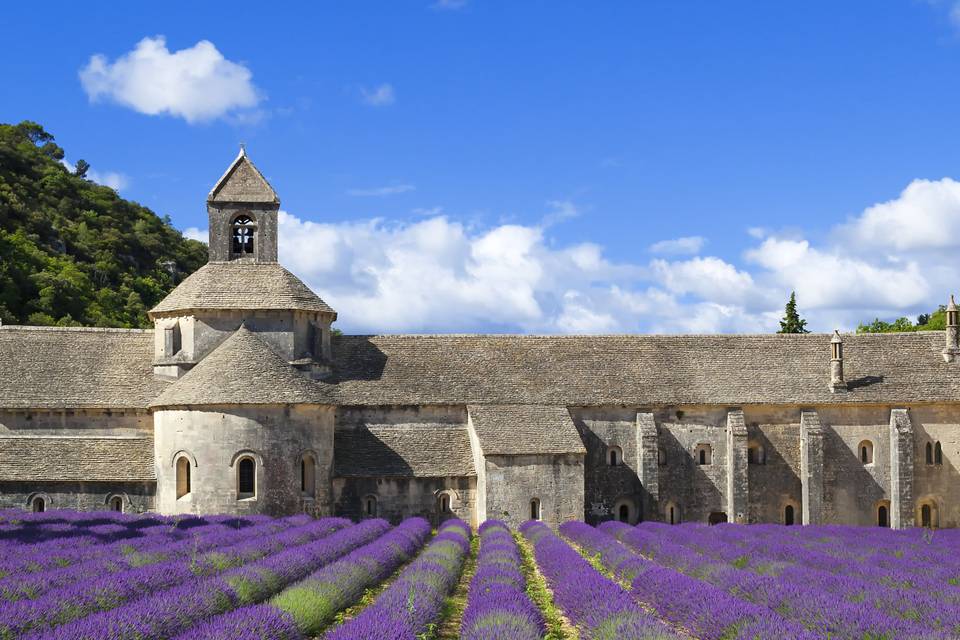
column 67, row 575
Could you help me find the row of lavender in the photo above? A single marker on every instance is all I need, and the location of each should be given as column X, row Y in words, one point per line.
column 834, row 589
column 287, row 579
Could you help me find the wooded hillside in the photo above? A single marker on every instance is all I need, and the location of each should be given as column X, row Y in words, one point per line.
column 73, row 252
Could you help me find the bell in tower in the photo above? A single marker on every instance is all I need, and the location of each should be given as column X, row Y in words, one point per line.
column 242, row 210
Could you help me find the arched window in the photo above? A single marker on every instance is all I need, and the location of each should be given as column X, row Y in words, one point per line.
column 755, row 455
column 929, row 514
column 370, row 506
column 243, row 233
column 937, row 453
column 116, row 504
column 866, row 452
column 308, row 476
column 703, row 454
column 614, row 456
column 38, row 504
column 183, row 476
column 661, row 457
column 246, row 478
column 929, row 453
column 535, row 509
column 788, row 515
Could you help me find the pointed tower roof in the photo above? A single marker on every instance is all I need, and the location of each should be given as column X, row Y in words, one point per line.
column 243, row 370
column 239, row 285
column 243, row 182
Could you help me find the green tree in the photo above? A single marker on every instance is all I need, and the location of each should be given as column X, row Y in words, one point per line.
column 792, row 322
column 81, row 169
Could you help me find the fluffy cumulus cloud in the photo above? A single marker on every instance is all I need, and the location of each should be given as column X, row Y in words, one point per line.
column 196, row 84
column 438, row 274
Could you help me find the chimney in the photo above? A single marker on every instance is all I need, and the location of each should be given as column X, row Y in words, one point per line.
column 952, row 348
column 837, row 384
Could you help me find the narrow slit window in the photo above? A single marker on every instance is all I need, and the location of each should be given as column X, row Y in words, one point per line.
column 183, row 476
column 246, row 478
column 535, row 509
column 937, row 453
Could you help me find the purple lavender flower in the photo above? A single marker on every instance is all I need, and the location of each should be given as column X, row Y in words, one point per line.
column 415, row 599
column 497, row 604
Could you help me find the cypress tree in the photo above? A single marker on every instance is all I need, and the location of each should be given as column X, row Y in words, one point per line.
column 792, row 322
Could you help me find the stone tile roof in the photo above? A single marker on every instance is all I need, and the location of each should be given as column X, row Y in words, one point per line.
column 524, row 429
column 243, row 370
column 640, row 370
column 73, row 368
column 241, row 285
column 243, row 182
column 83, row 459
column 397, row 450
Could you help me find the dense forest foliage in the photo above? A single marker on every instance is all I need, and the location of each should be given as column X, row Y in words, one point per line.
column 936, row 321
column 73, row 252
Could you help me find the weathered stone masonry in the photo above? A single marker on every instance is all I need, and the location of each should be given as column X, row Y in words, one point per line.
column 241, row 400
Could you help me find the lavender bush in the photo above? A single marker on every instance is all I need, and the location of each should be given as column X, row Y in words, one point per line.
column 310, row 604
column 497, row 605
column 409, row 606
column 172, row 611
column 599, row 607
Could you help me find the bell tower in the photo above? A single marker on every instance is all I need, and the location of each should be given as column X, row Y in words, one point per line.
column 242, row 210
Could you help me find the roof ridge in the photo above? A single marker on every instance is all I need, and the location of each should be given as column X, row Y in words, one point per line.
column 29, row 327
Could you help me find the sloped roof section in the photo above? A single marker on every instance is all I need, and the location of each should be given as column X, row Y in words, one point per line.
column 76, row 368
column 243, row 182
column 515, row 429
column 243, row 370
column 241, row 285
column 415, row 450
column 641, row 370
column 76, row 459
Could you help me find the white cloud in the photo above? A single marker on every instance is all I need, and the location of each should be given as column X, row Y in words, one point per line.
column 196, row 84
column 112, row 179
column 195, row 233
column 382, row 191
column 677, row 246
column 439, row 274
column 926, row 215
column 379, row 96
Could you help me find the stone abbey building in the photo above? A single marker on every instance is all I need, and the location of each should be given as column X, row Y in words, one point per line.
column 242, row 399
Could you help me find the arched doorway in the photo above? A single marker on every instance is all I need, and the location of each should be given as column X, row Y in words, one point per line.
column 623, row 515
column 882, row 516
column 38, row 504
column 116, row 504
column 788, row 515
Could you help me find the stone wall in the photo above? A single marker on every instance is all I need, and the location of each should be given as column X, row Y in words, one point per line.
column 289, row 333
column 606, row 488
column 933, row 483
column 79, row 422
column 137, row 497
column 214, row 439
column 399, row 498
column 557, row 481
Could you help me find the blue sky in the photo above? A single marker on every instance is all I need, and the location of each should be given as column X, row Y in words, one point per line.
column 539, row 167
